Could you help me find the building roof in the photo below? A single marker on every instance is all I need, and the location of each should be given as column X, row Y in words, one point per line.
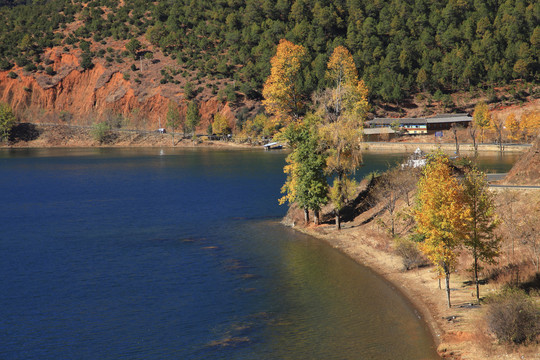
column 377, row 131
column 441, row 118
column 390, row 121
column 446, row 118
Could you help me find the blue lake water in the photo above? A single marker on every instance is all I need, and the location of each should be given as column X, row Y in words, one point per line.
column 178, row 253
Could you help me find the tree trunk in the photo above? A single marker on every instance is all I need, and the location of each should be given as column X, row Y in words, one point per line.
column 454, row 130
column 447, row 275
column 448, row 289
column 338, row 221
column 476, row 277
column 316, row 217
column 172, row 134
column 306, row 215
column 472, row 132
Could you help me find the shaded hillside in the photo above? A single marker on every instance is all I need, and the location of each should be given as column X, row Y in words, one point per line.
column 527, row 170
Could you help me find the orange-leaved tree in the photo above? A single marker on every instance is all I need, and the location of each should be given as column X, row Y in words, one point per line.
column 442, row 215
column 530, row 125
column 282, row 90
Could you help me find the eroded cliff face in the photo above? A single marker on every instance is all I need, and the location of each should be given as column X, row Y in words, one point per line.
column 95, row 92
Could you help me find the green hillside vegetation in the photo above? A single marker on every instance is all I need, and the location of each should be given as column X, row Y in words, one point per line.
column 400, row 47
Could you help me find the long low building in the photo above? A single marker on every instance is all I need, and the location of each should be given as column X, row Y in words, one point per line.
column 414, row 126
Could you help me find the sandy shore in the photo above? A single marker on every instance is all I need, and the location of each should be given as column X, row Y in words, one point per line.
column 458, row 332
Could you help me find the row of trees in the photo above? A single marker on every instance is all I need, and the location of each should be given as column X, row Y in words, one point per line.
column 326, row 140
column 526, row 128
column 451, row 213
column 187, row 122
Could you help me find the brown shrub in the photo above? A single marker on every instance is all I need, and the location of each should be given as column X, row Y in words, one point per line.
column 409, row 253
column 513, row 317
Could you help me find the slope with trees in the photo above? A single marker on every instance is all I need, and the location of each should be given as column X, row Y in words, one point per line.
column 399, row 47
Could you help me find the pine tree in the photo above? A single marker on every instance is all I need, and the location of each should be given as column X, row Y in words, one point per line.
column 193, row 117
column 7, row 120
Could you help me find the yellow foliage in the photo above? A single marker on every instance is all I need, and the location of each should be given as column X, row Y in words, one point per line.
column 442, row 214
column 341, row 67
column 513, row 126
column 481, row 117
column 530, row 124
column 282, row 97
column 220, row 126
column 289, row 188
column 261, row 125
column 349, row 96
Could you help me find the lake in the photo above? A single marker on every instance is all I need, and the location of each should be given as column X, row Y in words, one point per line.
column 179, row 253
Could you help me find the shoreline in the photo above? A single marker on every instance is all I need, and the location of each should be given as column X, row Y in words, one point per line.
column 364, row 259
column 457, row 332
column 71, row 136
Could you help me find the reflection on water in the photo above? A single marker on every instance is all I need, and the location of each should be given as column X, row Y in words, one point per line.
column 178, row 253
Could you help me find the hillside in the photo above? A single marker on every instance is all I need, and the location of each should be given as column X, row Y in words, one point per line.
column 92, row 58
column 527, row 170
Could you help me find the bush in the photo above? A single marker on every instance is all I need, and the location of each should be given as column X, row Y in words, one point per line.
column 86, row 62
column 12, row 75
column 100, row 131
column 189, row 91
column 409, row 253
column 30, row 67
column 50, row 71
column 513, row 317
column 5, row 65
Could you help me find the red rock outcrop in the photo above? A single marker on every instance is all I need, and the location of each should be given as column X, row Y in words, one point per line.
column 94, row 92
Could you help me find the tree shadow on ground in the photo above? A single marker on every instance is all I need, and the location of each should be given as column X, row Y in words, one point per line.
column 24, row 132
column 532, row 284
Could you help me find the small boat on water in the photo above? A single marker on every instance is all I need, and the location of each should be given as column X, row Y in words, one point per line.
column 273, row 146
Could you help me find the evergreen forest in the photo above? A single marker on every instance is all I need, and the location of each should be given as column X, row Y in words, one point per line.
column 400, row 47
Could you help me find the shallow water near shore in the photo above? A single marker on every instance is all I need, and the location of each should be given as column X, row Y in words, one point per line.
column 178, row 253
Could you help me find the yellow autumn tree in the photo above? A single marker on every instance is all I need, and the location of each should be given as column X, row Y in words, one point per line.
column 530, row 125
column 220, row 126
column 442, row 215
column 343, row 108
column 281, row 91
column 481, row 117
column 513, row 126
